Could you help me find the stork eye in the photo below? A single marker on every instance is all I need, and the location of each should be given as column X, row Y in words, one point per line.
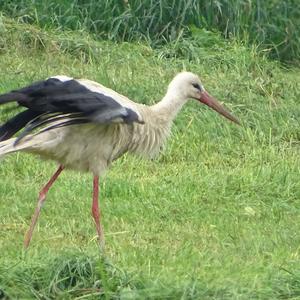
column 196, row 86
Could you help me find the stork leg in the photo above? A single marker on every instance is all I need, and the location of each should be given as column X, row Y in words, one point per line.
column 41, row 199
column 96, row 213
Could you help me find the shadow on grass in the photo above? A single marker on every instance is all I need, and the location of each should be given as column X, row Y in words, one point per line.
column 76, row 276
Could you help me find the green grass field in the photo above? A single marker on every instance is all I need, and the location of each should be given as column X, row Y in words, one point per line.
column 216, row 216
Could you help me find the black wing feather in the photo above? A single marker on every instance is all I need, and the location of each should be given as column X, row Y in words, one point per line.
column 53, row 99
column 8, row 129
column 23, row 93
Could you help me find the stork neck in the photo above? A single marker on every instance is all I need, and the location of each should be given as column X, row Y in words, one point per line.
column 169, row 106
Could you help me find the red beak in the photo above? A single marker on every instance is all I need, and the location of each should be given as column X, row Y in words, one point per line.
column 213, row 103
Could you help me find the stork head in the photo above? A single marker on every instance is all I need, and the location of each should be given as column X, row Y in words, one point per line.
column 188, row 86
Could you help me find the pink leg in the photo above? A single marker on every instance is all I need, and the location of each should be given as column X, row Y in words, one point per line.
column 96, row 213
column 41, row 199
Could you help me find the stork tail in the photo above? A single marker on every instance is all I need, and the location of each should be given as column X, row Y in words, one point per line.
column 9, row 146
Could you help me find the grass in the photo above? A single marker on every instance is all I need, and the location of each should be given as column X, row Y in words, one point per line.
column 271, row 24
column 216, row 216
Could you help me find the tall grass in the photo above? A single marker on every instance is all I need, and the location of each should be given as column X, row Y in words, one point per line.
column 79, row 276
column 272, row 24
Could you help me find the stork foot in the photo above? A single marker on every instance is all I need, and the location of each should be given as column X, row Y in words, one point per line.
column 101, row 239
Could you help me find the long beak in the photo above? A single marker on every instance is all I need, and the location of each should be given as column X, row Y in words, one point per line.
column 213, row 103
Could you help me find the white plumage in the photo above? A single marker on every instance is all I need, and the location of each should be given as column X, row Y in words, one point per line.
column 100, row 130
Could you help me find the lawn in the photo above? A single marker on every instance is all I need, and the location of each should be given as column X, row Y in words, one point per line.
column 215, row 216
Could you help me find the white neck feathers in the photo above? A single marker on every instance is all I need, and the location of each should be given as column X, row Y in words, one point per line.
column 149, row 138
column 169, row 106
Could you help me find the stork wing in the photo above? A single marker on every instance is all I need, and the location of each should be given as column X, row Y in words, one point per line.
column 63, row 101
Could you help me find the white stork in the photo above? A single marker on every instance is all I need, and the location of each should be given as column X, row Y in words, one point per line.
column 84, row 125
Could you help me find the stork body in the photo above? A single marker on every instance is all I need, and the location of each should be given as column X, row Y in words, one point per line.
column 85, row 126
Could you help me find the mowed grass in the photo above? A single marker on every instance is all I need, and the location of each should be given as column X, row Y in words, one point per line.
column 216, row 216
